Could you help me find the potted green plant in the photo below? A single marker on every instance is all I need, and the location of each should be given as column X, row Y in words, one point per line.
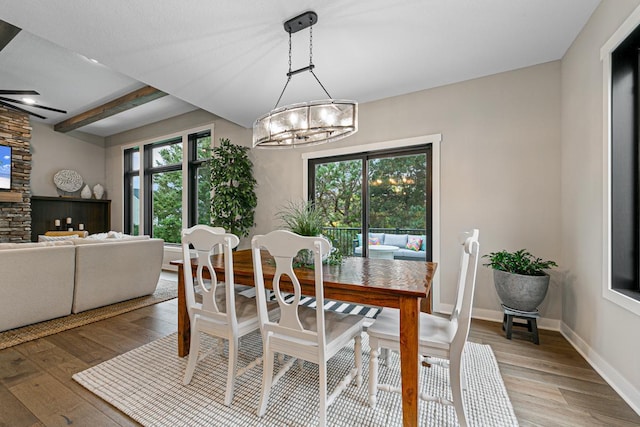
column 233, row 199
column 519, row 278
column 302, row 217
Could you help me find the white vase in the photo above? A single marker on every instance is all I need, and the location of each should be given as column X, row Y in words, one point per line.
column 86, row 192
column 98, row 191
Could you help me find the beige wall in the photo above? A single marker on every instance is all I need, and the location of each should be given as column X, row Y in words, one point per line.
column 607, row 334
column 53, row 151
column 521, row 159
column 500, row 160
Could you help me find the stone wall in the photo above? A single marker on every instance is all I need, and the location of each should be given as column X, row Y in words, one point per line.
column 15, row 217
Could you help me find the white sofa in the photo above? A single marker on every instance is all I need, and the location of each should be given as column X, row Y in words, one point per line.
column 36, row 282
column 113, row 270
column 42, row 281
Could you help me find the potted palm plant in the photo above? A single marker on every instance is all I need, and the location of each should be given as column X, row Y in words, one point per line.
column 302, row 217
column 519, row 278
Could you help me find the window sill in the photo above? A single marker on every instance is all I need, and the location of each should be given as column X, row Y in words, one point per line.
column 627, row 299
column 635, row 295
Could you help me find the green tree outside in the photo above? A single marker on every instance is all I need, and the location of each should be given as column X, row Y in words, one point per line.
column 396, row 189
column 167, row 196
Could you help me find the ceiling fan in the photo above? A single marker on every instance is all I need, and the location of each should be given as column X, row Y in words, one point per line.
column 9, row 102
column 7, row 33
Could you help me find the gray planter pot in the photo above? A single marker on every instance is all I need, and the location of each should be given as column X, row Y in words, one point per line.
column 524, row 293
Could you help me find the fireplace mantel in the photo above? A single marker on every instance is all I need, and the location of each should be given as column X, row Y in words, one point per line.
column 10, row 196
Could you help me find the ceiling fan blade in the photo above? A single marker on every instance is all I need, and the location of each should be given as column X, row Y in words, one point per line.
column 16, row 101
column 7, row 33
column 18, row 92
column 13, row 107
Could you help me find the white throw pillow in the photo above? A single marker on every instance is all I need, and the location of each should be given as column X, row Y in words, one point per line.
column 42, row 238
column 98, row 236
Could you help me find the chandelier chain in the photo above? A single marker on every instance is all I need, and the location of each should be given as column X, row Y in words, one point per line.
column 288, row 75
column 311, row 61
column 310, row 68
column 310, row 46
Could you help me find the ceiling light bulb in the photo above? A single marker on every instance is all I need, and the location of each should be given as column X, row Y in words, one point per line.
column 28, row 100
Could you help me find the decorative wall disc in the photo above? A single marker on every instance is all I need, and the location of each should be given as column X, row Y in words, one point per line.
column 67, row 180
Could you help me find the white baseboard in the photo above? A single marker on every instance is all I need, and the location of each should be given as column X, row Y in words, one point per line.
column 497, row 315
column 626, row 390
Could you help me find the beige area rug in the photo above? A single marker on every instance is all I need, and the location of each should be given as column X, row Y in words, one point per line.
column 165, row 290
column 146, row 384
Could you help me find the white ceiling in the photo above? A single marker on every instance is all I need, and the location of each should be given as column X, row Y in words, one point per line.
column 229, row 57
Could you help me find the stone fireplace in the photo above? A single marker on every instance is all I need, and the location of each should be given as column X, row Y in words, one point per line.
column 15, row 205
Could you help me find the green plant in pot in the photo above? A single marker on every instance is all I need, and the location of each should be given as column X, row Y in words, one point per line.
column 519, row 278
column 302, row 217
column 234, row 200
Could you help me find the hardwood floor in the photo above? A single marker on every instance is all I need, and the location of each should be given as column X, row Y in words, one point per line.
column 549, row 384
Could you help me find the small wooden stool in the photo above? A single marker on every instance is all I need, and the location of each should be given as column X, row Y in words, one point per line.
column 531, row 325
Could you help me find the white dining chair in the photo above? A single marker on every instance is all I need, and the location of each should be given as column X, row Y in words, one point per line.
column 440, row 337
column 310, row 334
column 223, row 313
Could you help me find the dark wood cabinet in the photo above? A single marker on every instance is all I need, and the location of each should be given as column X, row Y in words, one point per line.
column 94, row 214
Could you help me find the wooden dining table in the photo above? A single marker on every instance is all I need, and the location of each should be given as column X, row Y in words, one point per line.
column 377, row 282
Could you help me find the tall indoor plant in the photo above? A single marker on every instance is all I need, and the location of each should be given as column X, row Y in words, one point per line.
column 233, row 199
column 519, row 278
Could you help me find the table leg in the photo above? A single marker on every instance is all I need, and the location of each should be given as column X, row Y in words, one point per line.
column 184, row 325
column 409, row 312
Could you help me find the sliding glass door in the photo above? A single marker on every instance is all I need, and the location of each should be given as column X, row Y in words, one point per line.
column 376, row 204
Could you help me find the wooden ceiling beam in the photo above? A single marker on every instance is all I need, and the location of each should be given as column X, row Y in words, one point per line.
column 125, row 102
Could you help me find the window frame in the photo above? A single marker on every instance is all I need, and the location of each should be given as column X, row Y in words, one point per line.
column 364, row 158
column 149, row 171
column 434, row 140
column 130, row 172
column 193, row 166
column 609, row 289
column 144, row 217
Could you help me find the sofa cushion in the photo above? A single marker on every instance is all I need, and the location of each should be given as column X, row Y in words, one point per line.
column 409, row 254
column 374, row 241
column 399, row 240
column 414, row 243
column 43, row 238
column 83, row 233
column 97, row 241
column 424, row 240
column 33, row 245
column 379, row 236
column 98, row 236
column 114, row 270
column 37, row 282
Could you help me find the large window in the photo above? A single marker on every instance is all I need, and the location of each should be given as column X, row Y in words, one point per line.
column 625, row 190
column 384, row 195
column 132, row 191
column 199, row 183
column 621, row 167
column 163, row 176
column 159, row 199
